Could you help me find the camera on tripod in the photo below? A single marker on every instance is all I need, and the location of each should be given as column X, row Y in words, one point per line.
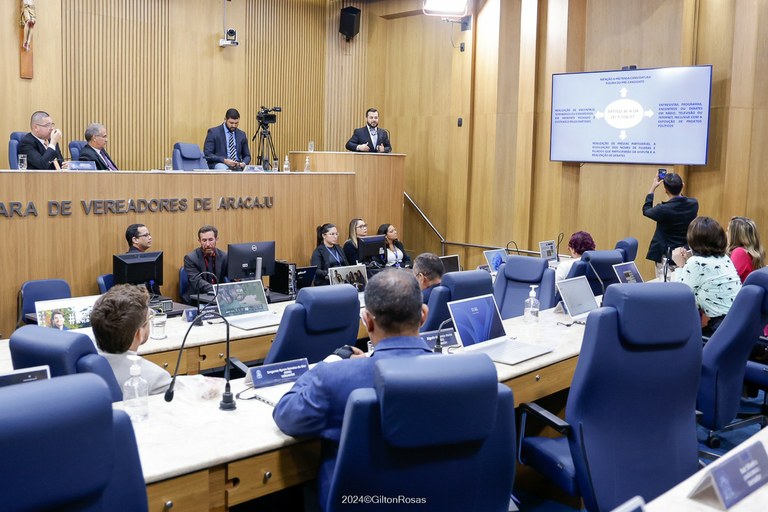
column 267, row 115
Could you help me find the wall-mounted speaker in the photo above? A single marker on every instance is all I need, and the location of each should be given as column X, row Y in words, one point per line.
column 349, row 22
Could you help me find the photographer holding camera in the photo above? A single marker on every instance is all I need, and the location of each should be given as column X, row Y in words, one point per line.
column 226, row 146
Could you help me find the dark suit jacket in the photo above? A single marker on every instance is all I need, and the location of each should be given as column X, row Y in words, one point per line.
column 672, row 218
column 39, row 157
column 322, row 259
column 194, row 264
column 362, row 135
column 215, row 147
column 90, row 154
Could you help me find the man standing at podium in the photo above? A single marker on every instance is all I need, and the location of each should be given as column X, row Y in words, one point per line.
column 315, row 405
column 370, row 138
column 226, row 146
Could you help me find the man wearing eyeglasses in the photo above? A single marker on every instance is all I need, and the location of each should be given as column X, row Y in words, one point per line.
column 370, row 138
column 41, row 145
column 96, row 138
column 138, row 238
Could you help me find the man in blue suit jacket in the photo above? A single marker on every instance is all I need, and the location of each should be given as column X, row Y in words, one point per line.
column 370, row 138
column 315, row 405
column 217, row 148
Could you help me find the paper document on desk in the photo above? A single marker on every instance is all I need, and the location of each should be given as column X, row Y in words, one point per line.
column 269, row 395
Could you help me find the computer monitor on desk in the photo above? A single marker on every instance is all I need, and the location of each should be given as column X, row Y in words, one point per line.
column 372, row 248
column 242, row 258
column 138, row 268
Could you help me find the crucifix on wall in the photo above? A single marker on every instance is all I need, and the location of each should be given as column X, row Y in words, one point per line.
column 27, row 21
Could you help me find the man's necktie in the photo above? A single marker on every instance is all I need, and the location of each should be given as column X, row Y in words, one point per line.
column 108, row 162
column 232, row 150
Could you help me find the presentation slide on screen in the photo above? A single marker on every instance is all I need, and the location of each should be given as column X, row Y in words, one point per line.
column 644, row 116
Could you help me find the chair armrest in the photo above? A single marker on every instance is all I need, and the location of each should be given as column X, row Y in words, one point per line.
column 544, row 415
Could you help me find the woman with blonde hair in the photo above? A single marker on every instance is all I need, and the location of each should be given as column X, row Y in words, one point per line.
column 744, row 246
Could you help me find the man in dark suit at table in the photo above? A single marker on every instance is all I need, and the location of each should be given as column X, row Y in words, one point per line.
column 206, row 258
column 41, row 144
column 226, row 146
column 370, row 138
column 315, row 404
column 96, row 138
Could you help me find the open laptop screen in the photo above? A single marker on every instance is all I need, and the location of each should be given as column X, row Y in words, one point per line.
column 241, row 298
column 627, row 272
column 353, row 274
column 495, row 258
column 450, row 263
column 578, row 296
column 476, row 319
column 548, row 250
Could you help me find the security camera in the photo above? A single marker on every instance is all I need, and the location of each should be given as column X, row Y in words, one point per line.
column 230, row 38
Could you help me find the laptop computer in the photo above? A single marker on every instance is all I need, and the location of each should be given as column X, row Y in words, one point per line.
column 627, row 272
column 479, row 328
column 577, row 296
column 23, row 375
column 244, row 305
column 450, row 263
column 353, row 274
column 305, row 276
column 548, row 251
column 495, row 257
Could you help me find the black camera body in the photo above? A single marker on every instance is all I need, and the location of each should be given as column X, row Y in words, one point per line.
column 268, row 115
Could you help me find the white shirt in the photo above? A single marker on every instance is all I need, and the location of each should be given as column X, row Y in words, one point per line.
column 561, row 272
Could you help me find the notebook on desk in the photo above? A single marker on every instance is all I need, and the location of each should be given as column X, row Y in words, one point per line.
column 480, row 329
column 244, row 305
column 577, row 296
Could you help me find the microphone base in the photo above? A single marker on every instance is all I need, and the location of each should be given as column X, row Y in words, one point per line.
column 227, row 402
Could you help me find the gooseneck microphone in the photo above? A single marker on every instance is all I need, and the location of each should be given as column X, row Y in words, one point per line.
column 666, row 263
column 438, row 345
column 560, row 238
column 517, row 249
column 198, row 319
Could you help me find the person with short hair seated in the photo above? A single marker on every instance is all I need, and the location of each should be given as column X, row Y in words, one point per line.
column 580, row 242
column 428, row 269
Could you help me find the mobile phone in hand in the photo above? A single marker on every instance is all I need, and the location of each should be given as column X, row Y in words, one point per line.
column 662, row 174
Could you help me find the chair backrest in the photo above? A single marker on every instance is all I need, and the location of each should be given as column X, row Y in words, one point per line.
column 67, row 436
column 600, row 268
column 74, row 148
column 455, row 286
column 40, row 289
column 13, row 149
column 322, row 319
column 188, row 157
column 183, row 282
column 66, row 352
column 426, row 418
column 725, row 358
column 628, row 248
column 105, row 282
column 632, row 403
column 514, row 280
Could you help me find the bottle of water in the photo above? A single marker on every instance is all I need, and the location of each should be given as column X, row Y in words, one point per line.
column 306, row 164
column 286, row 165
column 531, row 307
column 136, row 393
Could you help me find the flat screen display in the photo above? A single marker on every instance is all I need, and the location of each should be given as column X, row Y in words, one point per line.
column 639, row 116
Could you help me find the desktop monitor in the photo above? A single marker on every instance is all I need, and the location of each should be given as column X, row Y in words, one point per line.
column 241, row 260
column 138, row 268
column 373, row 247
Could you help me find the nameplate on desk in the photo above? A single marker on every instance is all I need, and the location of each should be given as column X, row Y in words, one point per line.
column 276, row 373
column 736, row 478
column 447, row 338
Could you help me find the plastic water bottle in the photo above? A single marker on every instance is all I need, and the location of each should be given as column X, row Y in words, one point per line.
column 531, row 307
column 286, row 165
column 306, row 164
column 136, row 393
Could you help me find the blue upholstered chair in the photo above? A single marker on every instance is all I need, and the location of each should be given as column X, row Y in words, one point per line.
column 630, row 419
column 66, row 352
column 64, row 448
column 75, row 147
column 455, row 286
column 13, row 149
column 183, row 283
column 188, row 157
column 514, row 280
column 39, row 289
column 322, row 319
column 105, row 282
column 428, row 418
column 628, row 248
column 757, row 373
column 600, row 273
column 724, row 364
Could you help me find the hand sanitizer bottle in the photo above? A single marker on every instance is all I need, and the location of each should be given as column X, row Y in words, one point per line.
column 306, row 165
column 286, row 165
column 531, row 307
column 136, row 393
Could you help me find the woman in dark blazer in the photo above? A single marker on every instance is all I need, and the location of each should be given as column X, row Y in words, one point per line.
column 357, row 228
column 327, row 254
column 396, row 255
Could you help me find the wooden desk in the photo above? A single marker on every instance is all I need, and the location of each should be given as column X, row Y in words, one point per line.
column 206, row 459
